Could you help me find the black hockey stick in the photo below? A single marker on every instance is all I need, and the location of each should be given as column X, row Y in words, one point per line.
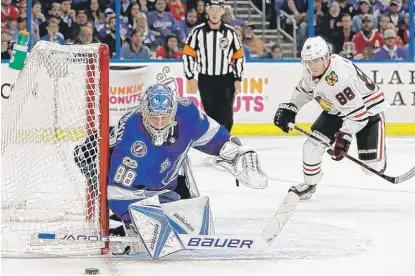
column 395, row 180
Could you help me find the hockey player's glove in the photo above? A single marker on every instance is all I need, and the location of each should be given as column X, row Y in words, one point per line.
column 342, row 143
column 285, row 114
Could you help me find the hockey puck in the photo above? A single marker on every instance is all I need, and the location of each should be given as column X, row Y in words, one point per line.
column 91, row 271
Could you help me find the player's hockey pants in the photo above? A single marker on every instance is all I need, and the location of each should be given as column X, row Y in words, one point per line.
column 218, row 94
column 370, row 144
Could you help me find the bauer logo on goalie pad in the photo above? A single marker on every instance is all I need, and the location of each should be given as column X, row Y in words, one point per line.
column 138, row 149
column 217, row 242
column 129, row 162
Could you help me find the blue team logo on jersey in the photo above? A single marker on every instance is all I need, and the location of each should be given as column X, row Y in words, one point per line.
column 164, row 165
column 138, row 149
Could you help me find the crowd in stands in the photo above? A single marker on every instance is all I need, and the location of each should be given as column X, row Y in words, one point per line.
column 360, row 29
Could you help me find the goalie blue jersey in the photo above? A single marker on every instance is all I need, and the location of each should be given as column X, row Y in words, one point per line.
column 138, row 168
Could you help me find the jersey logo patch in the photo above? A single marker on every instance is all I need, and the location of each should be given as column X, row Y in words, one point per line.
column 129, row 162
column 164, row 165
column 325, row 104
column 184, row 101
column 223, row 43
column 332, row 78
column 138, row 149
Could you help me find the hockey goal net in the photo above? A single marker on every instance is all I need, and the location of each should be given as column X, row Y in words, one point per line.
column 54, row 150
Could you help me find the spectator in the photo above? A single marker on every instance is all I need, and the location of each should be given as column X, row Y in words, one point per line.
column 149, row 35
column 160, row 21
column 6, row 45
column 383, row 23
column 21, row 26
column 368, row 36
column 183, row 28
column 234, row 21
column 177, row 9
column 298, row 9
column 318, row 16
column 8, row 11
column 170, row 49
column 22, row 7
column 200, row 8
column 68, row 14
column 255, row 45
column 81, row 19
column 37, row 15
column 143, row 6
column 378, row 7
column 239, row 31
column 124, row 7
column 393, row 12
column 404, row 29
column 136, row 49
column 85, row 36
column 56, row 12
column 346, row 8
column 366, row 54
column 398, row 40
column 276, row 52
column 53, row 34
column 390, row 50
column 364, row 9
column 132, row 15
column 95, row 14
column 227, row 18
column 104, row 29
column 331, row 23
column 344, row 35
column 109, row 38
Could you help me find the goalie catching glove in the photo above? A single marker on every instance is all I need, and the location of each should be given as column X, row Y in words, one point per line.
column 243, row 163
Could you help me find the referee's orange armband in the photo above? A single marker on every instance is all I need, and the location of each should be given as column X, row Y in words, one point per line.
column 189, row 51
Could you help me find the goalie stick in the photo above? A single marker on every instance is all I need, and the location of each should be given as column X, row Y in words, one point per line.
column 204, row 242
column 395, row 180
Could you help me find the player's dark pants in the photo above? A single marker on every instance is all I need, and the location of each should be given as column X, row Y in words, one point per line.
column 218, row 95
column 370, row 140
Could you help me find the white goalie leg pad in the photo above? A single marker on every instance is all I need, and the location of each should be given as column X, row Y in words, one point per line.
column 190, row 216
column 150, row 222
column 313, row 152
column 243, row 163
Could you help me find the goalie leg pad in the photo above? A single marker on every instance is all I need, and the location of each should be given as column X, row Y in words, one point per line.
column 312, row 156
column 151, row 224
column 190, row 216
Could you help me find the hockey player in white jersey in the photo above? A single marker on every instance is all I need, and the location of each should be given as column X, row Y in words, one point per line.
column 352, row 105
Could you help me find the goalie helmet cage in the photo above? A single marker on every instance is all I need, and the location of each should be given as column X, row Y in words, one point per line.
column 54, row 151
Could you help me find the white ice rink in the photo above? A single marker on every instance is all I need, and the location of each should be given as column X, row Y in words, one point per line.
column 355, row 224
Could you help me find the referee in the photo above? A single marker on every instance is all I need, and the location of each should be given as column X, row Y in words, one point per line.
column 215, row 49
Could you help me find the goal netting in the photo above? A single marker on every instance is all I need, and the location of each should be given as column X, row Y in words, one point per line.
column 54, row 150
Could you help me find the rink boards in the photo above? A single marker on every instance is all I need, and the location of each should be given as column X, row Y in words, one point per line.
column 264, row 87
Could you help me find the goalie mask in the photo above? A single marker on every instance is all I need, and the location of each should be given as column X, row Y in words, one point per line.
column 159, row 106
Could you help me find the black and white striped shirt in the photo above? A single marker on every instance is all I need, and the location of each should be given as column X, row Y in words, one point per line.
column 213, row 52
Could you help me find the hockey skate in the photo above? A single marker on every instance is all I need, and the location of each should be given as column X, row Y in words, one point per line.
column 304, row 191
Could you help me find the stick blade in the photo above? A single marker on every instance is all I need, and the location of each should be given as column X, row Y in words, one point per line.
column 406, row 176
column 280, row 218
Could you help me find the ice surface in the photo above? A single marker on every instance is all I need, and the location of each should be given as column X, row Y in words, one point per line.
column 355, row 224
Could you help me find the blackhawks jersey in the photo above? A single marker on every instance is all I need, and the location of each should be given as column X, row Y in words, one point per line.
column 343, row 90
